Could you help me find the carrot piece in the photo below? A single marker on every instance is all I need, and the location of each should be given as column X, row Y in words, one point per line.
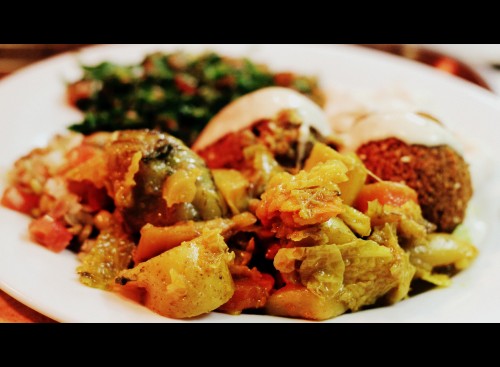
column 385, row 192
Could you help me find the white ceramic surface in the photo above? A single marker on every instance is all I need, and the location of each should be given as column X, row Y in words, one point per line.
column 33, row 108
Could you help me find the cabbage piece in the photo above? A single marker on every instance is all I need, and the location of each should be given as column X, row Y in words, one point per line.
column 111, row 253
column 234, row 188
column 356, row 173
column 262, row 166
column 307, row 198
column 412, row 228
column 321, row 268
column 355, row 220
column 333, row 231
column 402, row 269
column 443, row 249
column 346, row 276
column 427, row 250
column 367, row 275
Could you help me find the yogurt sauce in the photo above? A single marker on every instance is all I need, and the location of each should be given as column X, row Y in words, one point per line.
column 261, row 104
column 409, row 127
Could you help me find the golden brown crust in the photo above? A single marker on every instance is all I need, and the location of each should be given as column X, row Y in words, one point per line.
column 440, row 176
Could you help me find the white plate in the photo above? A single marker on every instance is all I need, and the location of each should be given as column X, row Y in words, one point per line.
column 33, row 108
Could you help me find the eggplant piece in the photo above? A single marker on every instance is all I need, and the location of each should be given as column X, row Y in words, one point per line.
column 147, row 171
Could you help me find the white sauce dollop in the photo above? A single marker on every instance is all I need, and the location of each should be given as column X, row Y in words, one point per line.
column 264, row 103
column 409, row 127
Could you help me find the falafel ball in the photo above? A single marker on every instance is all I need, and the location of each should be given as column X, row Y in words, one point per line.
column 438, row 174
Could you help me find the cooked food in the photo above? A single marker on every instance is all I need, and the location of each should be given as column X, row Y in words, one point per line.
column 262, row 104
column 174, row 92
column 418, row 151
column 263, row 132
column 186, row 281
column 155, row 179
column 280, row 238
column 269, row 213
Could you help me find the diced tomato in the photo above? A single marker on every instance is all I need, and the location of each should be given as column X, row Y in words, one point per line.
column 93, row 198
column 386, row 192
column 249, row 293
column 272, row 251
column 284, row 79
column 227, row 81
column 185, row 84
column 19, row 199
column 50, row 233
column 80, row 90
column 80, row 154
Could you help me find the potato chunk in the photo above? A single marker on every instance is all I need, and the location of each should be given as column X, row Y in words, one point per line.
column 299, row 302
column 325, row 281
column 186, row 281
column 156, row 240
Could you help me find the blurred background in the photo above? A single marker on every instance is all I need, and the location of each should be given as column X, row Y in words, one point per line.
column 15, row 56
column 477, row 63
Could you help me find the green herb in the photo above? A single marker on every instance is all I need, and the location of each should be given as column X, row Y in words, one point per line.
column 176, row 93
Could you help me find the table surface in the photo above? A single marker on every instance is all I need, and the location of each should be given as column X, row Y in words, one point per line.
column 13, row 57
column 12, row 311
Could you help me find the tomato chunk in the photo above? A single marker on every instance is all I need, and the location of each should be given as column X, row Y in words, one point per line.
column 185, row 84
column 50, row 233
column 80, row 154
column 82, row 90
column 386, row 192
column 93, row 198
column 19, row 199
column 251, row 292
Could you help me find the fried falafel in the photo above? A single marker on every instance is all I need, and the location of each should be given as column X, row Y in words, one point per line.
column 419, row 151
column 439, row 175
